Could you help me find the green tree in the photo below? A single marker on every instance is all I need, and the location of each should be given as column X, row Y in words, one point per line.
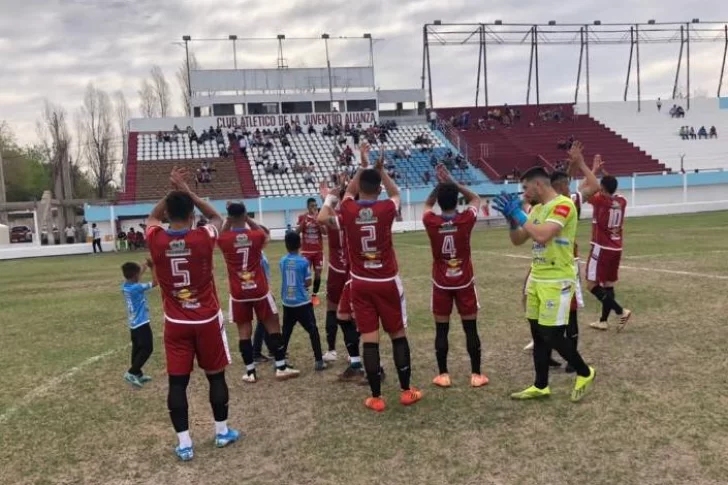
column 26, row 174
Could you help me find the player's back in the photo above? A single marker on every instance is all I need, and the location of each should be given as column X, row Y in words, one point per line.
column 295, row 270
column 452, row 265
column 243, row 253
column 184, row 267
column 311, row 234
column 338, row 252
column 608, row 220
column 368, row 230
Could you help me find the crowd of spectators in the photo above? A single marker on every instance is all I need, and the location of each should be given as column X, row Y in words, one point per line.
column 689, row 133
column 203, row 175
column 676, row 111
column 131, row 240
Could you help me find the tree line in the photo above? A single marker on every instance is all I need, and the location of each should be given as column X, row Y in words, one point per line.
column 80, row 156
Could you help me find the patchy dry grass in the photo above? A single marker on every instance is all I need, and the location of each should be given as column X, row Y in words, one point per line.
column 657, row 414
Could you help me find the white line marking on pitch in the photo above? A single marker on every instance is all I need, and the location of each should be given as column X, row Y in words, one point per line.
column 639, row 268
column 45, row 388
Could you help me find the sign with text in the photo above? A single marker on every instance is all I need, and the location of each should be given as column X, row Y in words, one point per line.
column 318, row 120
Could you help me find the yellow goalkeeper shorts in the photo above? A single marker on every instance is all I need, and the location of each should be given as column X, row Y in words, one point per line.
column 549, row 302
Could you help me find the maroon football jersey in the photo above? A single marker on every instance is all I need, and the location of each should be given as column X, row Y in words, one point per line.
column 184, row 268
column 608, row 220
column 452, row 266
column 243, row 253
column 367, row 227
column 312, row 240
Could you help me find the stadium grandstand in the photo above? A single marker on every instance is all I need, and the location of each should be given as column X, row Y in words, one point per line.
column 271, row 136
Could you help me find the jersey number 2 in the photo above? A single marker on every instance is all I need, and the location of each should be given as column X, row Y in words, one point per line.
column 371, row 237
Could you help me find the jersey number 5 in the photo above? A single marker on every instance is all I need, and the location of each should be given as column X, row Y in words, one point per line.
column 371, row 237
column 178, row 272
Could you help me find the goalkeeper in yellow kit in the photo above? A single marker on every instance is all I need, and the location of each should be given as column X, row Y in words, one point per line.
column 551, row 225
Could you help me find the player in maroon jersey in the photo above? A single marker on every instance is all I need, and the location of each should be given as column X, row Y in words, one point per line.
column 312, row 247
column 453, row 279
column 193, row 323
column 376, row 289
column 241, row 242
column 338, row 315
column 606, row 251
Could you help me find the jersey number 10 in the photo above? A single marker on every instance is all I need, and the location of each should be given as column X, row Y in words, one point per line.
column 615, row 218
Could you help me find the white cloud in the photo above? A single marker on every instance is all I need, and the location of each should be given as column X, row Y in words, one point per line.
column 52, row 49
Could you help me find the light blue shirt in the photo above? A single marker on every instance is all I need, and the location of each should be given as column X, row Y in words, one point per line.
column 137, row 308
column 266, row 266
column 295, row 270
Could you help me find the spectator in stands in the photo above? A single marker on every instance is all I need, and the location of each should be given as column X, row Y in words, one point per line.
column 268, row 168
column 426, row 177
column 243, row 144
column 286, row 128
column 336, row 152
column 433, row 120
column 308, row 175
column 297, row 128
column 176, row 129
column 268, row 145
column 341, row 140
column 684, row 133
column 461, row 162
column 702, row 133
column 290, row 155
column 160, row 137
column 311, row 130
column 693, row 136
column 659, row 104
column 285, row 143
column 131, row 239
column 70, row 233
column 355, row 134
column 713, row 132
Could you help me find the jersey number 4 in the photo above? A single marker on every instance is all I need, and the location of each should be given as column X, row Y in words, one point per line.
column 448, row 247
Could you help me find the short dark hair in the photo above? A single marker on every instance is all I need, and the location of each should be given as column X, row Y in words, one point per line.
column 293, row 241
column 179, row 206
column 369, row 181
column 535, row 173
column 609, row 182
column 309, row 200
column 237, row 210
column 447, row 196
column 559, row 176
column 130, row 270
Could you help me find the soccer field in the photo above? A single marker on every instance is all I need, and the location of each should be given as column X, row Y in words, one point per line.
column 657, row 413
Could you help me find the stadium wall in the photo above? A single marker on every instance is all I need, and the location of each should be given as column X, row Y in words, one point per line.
column 646, row 195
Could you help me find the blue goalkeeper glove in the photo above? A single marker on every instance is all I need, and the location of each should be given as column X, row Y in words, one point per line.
column 510, row 206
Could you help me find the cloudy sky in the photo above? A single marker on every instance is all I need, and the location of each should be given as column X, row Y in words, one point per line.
column 53, row 49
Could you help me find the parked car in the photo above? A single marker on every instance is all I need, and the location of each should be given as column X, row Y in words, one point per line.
column 21, row 234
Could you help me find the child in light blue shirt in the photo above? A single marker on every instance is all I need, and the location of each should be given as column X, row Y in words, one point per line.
column 137, row 309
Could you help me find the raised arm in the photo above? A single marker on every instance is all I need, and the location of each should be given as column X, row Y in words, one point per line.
column 471, row 198
column 327, row 214
column 431, row 200
column 157, row 215
column 590, row 185
column 178, row 182
column 150, row 264
column 389, row 185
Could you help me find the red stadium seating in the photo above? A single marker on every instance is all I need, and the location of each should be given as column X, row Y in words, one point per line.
column 501, row 150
